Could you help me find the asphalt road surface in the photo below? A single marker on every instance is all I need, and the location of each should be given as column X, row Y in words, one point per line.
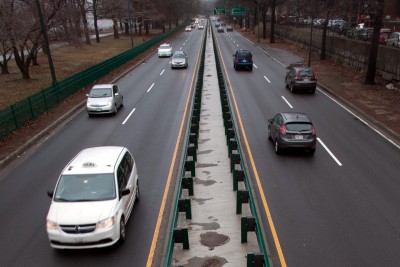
column 336, row 208
column 155, row 98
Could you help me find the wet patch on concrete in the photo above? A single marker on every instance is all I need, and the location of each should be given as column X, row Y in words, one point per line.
column 209, row 75
column 205, row 165
column 207, row 115
column 206, row 172
column 213, row 239
column 204, row 182
column 203, row 123
column 204, row 152
column 206, row 262
column 201, row 200
column 202, row 141
column 205, row 131
column 208, row 226
column 212, row 218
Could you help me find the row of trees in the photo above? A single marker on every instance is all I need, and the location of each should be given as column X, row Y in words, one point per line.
column 21, row 35
column 326, row 9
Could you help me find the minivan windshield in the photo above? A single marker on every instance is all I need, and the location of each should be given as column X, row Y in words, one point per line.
column 100, row 92
column 85, row 187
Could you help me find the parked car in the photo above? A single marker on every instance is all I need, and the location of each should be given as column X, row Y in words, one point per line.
column 179, row 60
column 243, row 58
column 165, row 50
column 300, row 78
column 384, row 35
column 220, row 29
column 93, row 199
column 104, row 99
column 229, row 28
column 292, row 130
column 393, row 40
column 365, row 34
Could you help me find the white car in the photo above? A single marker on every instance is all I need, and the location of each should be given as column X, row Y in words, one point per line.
column 188, row 29
column 103, row 99
column 93, row 199
column 393, row 40
column 200, row 27
column 165, row 50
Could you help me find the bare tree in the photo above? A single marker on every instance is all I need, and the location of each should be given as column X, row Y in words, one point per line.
column 5, row 44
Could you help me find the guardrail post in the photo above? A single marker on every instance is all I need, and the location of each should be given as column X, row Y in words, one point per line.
column 187, row 183
column 191, row 151
column 238, row 176
column 181, row 235
column 232, row 145
column 235, row 159
column 255, row 260
column 184, row 206
column 230, row 133
column 248, row 224
column 242, row 196
column 190, row 166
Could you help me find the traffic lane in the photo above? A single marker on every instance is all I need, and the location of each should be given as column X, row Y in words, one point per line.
column 40, row 163
column 283, row 166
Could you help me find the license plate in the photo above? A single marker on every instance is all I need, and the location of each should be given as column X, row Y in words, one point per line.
column 78, row 240
column 306, row 79
column 244, row 60
column 298, row 137
column 98, row 109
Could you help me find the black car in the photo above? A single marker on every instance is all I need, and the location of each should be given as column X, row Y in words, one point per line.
column 300, row 78
column 243, row 59
column 292, row 130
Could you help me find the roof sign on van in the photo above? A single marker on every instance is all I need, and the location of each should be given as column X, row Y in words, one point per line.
column 89, row 164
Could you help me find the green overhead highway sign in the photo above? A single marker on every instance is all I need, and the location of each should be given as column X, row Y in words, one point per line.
column 237, row 11
column 219, row 10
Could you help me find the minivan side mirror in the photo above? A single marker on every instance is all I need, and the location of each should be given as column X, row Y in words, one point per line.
column 125, row 192
column 50, row 193
column 270, row 120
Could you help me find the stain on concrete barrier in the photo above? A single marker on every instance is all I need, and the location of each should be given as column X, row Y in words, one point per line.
column 204, row 152
column 206, row 165
column 204, row 182
column 201, row 200
column 213, row 239
column 208, row 226
column 206, row 262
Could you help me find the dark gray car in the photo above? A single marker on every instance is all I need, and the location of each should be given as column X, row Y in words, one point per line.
column 292, row 130
column 179, row 60
column 300, row 78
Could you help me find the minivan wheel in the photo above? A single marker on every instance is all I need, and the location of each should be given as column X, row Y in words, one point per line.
column 291, row 88
column 311, row 151
column 115, row 111
column 137, row 197
column 269, row 134
column 122, row 231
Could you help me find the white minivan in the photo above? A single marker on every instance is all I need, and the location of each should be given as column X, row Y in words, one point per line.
column 93, row 199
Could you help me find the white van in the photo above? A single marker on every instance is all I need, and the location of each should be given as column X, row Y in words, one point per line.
column 93, row 199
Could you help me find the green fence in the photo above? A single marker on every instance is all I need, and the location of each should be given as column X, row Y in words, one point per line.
column 15, row 116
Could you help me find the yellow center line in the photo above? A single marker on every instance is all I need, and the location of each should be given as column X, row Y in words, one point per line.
column 253, row 165
column 171, row 170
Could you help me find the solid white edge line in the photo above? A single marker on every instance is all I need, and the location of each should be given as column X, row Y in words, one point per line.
column 267, row 79
column 330, row 153
column 127, row 118
column 150, row 88
column 287, row 102
column 366, row 123
column 162, row 72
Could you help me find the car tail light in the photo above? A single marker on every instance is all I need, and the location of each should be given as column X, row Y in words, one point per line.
column 282, row 130
column 313, row 132
column 296, row 76
column 251, row 59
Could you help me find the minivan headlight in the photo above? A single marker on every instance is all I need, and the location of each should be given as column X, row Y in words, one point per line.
column 109, row 103
column 106, row 223
column 50, row 225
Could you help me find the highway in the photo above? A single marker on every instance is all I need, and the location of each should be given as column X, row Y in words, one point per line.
column 155, row 98
column 336, row 208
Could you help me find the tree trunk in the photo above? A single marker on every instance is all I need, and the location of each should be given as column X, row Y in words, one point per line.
column 84, row 22
column 4, row 64
column 96, row 27
column 324, row 31
column 115, row 28
column 373, row 53
column 126, row 28
column 272, row 34
column 264, row 23
column 22, row 63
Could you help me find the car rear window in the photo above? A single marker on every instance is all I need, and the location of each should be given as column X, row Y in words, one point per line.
column 100, row 92
column 164, row 47
column 244, row 54
column 306, row 73
column 295, row 126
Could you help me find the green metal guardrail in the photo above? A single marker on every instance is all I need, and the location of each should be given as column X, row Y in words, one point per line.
column 188, row 161
column 15, row 116
column 232, row 134
column 177, row 235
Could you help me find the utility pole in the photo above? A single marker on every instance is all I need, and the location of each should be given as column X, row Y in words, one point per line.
column 46, row 44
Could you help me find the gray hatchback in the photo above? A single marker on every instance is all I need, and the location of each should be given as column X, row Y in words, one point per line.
column 300, row 78
column 292, row 130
